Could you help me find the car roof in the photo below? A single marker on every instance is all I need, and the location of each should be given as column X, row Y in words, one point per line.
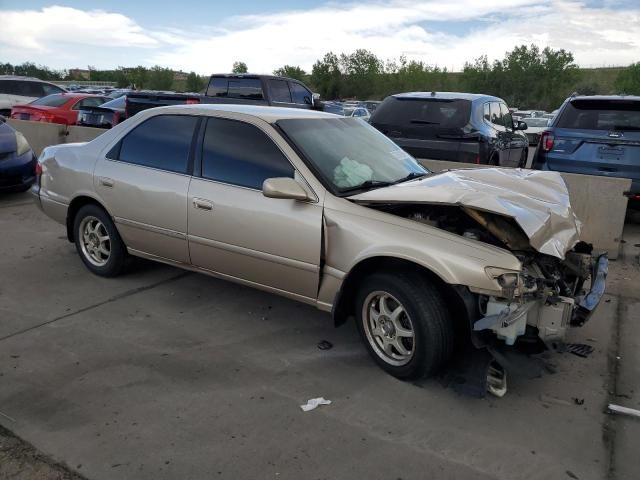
column 254, row 76
column 268, row 114
column 634, row 98
column 448, row 96
column 26, row 79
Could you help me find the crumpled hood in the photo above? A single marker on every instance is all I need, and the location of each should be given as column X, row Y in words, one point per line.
column 537, row 201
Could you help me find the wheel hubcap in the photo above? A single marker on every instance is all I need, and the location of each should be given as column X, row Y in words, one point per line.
column 388, row 328
column 95, row 241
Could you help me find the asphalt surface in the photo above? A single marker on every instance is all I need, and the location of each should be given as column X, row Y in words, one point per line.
column 167, row 374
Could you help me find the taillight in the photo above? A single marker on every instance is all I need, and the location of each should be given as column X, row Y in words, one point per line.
column 546, row 141
column 191, row 101
column 115, row 118
column 38, row 169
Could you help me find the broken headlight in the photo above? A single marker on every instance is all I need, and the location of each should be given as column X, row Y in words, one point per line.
column 508, row 280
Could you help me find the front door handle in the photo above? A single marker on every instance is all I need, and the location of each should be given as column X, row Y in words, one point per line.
column 106, row 182
column 202, row 204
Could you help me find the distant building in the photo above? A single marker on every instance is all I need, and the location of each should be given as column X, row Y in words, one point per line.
column 80, row 74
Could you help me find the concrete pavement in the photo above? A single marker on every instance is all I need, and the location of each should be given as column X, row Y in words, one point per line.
column 167, row 374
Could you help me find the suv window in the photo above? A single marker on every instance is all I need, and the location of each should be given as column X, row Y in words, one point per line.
column 507, row 119
column 601, row 115
column 247, row 88
column 280, row 91
column 300, row 94
column 30, row 89
column 496, row 114
column 421, row 118
column 218, row 87
column 9, row 87
column 241, row 154
column 162, row 142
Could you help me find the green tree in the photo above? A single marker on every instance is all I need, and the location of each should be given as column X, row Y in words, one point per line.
column 239, row 67
column 628, row 80
column 326, row 76
column 291, row 72
column 362, row 69
column 195, row 83
column 160, row 78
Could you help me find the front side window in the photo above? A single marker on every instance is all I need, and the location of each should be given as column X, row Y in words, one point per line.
column 496, row 114
column 507, row 119
column 299, row 94
column 51, row 89
column 241, row 154
column 486, row 112
column 280, row 91
column 162, row 142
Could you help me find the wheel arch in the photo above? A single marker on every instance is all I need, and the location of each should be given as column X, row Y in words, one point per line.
column 459, row 299
column 76, row 204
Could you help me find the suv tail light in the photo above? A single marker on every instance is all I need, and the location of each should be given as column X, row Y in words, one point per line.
column 546, row 141
column 38, row 169
column 191, row 101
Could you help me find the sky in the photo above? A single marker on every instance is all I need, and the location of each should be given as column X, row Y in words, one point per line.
column 207, row 36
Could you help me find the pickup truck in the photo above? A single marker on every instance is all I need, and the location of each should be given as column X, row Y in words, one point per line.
column 233, row 88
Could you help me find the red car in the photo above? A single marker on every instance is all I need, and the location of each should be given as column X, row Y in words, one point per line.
column 58, row 108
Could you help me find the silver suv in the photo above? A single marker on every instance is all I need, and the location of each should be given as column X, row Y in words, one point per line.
column 15, row 90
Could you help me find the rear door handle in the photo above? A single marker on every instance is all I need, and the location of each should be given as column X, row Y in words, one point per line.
column 106, row 182
column 202, row 204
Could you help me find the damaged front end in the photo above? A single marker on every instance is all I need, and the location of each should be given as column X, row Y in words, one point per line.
column 541, row 300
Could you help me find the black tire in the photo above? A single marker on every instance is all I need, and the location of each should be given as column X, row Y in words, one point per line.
column 116, row 261
column 523, row 159
column 433, row 337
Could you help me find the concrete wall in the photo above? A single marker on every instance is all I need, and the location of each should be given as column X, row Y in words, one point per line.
column 598, row 202
column 42, row 134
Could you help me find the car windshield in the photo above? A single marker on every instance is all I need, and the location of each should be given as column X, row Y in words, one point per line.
column 349, row 154
column 536, row 122
column 52, row 100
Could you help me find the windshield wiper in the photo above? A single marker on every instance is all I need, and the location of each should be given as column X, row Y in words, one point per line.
column 424, row 122
column 365, row 185
column 412, row 176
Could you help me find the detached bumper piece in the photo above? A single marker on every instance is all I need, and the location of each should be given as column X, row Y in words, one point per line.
column 585, row 308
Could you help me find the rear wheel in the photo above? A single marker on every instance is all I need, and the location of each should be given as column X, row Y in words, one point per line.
column 98, row 242
column 404, row 324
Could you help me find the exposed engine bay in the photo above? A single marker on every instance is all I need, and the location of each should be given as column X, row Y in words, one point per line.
column 542, row 300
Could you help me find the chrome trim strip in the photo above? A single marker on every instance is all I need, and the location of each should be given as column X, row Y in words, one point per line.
column 288, row 262
column 151, row 228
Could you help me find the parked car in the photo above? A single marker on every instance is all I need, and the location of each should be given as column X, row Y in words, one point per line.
column 340, row 218
column 120, row 92
column 60, row 108
column 459, row 127
column 17, row 161
column 595, row 135
column 371, row 105
column 535, row 127
column 233, row 88
column 106, row 115
column 16, row 90
column 359, row 112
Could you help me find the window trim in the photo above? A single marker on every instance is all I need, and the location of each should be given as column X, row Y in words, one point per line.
column 117, row 147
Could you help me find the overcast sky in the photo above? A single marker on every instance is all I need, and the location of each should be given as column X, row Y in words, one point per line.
column 209, row 35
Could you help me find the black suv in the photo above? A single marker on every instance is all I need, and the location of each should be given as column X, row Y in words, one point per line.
column 459, row 127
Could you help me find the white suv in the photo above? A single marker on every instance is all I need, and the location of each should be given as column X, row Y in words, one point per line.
column 16, row 90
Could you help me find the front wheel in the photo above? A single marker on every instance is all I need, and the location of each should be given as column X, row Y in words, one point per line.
column 404, row 324
column 98, row 242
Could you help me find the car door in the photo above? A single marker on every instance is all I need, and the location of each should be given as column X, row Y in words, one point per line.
column 515, row 140
column 144, row 181
column 237, row 232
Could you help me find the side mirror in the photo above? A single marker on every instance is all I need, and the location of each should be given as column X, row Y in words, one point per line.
column 521, row 125
column 286, row 188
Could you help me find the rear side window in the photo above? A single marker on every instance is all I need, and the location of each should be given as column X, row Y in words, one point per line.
column 280, row 91
column 601, row 115
column 52, row 101
column 218, row 87
column 247, row 88
column 421, row 118
column 30, row 89
column 300, row 94
column 241, row 154
column 9, row 87
column 162, row 142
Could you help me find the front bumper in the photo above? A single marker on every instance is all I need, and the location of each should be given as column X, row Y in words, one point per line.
column 551, row 316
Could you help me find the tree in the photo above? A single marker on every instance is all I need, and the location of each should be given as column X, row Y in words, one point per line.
column 160, row 78
column 326, row 76
column 362, row 68
column 239, row 67
column 628, row 80
column 291, row 72
column 194, row 82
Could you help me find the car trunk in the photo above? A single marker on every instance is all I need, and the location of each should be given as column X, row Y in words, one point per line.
column 41, row 113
